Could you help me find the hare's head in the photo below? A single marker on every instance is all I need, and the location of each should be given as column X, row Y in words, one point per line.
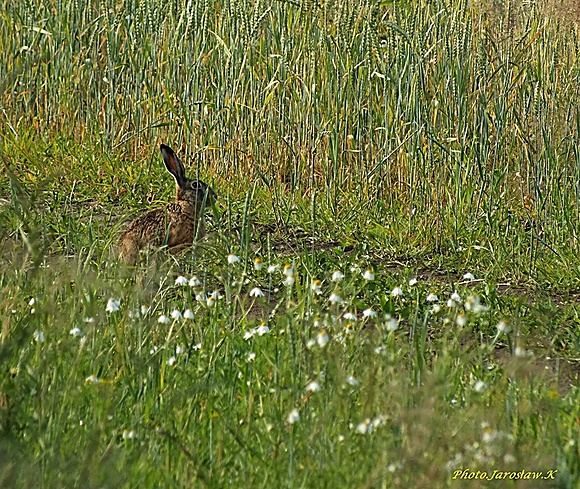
column 194, row 191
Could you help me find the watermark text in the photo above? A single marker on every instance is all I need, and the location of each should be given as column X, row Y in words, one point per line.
column 468, row 474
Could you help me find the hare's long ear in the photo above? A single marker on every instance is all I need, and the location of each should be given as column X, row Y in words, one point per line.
column 173, row 165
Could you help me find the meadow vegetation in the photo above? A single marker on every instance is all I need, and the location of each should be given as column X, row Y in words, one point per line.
column 388, row 294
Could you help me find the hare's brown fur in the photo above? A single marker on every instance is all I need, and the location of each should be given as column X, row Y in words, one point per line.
column 178, row 225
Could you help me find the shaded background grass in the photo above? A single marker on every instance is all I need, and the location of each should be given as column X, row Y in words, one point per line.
column 425, row 129
column 416, row 138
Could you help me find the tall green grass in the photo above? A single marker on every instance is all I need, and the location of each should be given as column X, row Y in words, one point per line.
column 457, row 126
column 419, row 140
column 407, row 390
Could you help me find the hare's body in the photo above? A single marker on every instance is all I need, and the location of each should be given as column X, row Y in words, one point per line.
column 177, row 225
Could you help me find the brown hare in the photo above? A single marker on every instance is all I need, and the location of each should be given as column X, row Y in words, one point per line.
column 177, row 225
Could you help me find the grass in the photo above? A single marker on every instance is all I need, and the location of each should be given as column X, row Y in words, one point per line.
column 420, row 141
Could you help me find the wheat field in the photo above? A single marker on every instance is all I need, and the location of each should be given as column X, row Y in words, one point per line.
column 388, row 292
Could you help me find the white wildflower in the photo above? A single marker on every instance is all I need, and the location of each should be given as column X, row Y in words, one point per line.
column 392, row 324
column 432, row 298
column 479, row 386
column 129, row 435
column 294, row 416
column 378, row 421
column 39, row 336
column 313, row 386
column 337, row 276
column 194, row 282
column 175, row 314
column 262, row 329
column 188, row 314
column 369, row 275
column 76, row 332
column 251, row 356
column 397, row 292
column 489, row 436
column 473, row 303
column 171, row 361
column 322, row 339
column 256, row 292
column 289, row 281
column 335, row 298
column 369, row 313
column 258, row 265
column 113, row 305
column 364, row 427
column 181, row 280
column 508, row 458
column 503, row 327
column 316, row 287
column 163, row 319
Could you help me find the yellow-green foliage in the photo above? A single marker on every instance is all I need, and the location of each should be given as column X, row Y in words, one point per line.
column 408, row 173
column 462, row 118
